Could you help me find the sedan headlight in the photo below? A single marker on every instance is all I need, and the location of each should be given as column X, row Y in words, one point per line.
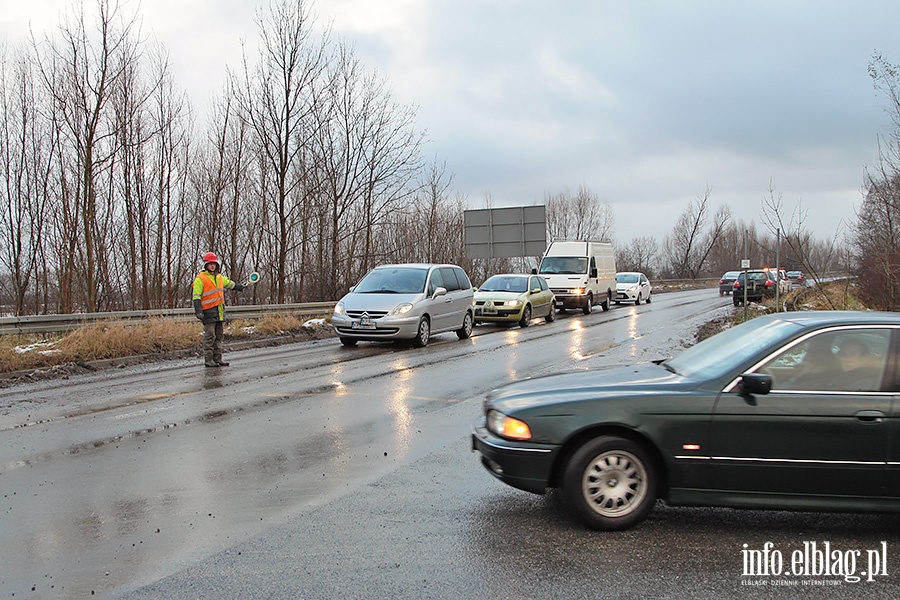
column 400, row 309
column 508, row 427
column 339, row 309
column 513, row 303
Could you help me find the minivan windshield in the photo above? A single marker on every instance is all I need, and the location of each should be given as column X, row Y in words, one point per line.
column 574, row 265
column 393, row 280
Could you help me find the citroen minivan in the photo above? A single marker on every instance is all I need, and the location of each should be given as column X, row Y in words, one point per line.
column 406, row 302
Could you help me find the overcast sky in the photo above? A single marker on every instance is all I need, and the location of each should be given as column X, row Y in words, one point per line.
column 646, row 103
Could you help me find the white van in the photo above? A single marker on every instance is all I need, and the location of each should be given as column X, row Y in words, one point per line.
column 581, row 274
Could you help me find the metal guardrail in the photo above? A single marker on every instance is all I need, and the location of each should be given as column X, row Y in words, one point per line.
column 61, row 323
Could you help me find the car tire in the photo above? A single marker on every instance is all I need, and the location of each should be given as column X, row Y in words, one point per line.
column 423, row 333
column 649, row 298
column 610, row 483
column 605, row 304
column 551, row 314
column 589, row 307
column 525, row 321
column 349, row 342
column 637, row 301
column 466, row 330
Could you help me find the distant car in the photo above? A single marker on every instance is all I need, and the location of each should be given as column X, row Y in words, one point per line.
column 406, row 302
column 514, row 298
column 796, row 278
column 726, row 283
column 786, row 411
column 784, row 284
column 632, row 287
column 760, row 283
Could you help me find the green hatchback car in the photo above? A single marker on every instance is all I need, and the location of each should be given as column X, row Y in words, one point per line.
column 514, row 298
column 786, row 411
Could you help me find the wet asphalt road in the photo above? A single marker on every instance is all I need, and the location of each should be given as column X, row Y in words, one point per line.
column 316, row 471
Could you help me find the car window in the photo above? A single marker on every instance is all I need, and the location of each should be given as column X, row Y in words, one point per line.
column 394, row 280
column 435, row 282
column 721, row 354
column 542, row 282
column 449, row 278
column 626, row 278
column 464, row 283
column 843, row 360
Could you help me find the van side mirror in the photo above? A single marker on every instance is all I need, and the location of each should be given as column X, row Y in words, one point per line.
column 594, row 272
column 534, row 270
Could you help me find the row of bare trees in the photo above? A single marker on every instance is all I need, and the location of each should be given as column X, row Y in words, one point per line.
column 306, row 170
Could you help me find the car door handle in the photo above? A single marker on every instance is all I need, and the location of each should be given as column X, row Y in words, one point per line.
column 448, row 300
column 870, row 416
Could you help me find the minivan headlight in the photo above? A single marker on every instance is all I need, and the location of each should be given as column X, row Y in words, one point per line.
column 507, row 427
column 339, row 309
column 400, row 309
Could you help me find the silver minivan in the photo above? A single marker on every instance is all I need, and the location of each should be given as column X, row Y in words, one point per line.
column 406, row 302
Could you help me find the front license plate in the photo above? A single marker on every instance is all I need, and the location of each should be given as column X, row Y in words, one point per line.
column 362, row 324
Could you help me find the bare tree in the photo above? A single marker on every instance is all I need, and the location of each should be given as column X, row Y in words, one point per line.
column 579, row 216
column 640, row 255
column 81, row 74
column 277, row 99
column 27, row 148
column 689, row 245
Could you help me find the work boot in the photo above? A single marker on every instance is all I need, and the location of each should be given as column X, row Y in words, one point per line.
column 222, row 363
column 211, row 363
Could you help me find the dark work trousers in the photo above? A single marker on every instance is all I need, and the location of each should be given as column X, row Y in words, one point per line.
column 213, row 336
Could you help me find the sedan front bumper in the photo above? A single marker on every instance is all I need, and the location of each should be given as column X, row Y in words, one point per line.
column 524, row 466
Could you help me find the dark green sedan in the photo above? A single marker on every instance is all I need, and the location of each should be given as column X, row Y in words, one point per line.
column 788, row 411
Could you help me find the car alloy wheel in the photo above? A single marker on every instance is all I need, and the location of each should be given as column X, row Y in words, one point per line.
column 610, row 483
column 525, row 321
column 423, row 333
column 466, row 330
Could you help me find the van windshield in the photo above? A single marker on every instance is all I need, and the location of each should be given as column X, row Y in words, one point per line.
column 574, row 265
column 394, row 280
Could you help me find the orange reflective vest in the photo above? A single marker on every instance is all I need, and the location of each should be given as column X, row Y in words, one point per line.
column 213, row 293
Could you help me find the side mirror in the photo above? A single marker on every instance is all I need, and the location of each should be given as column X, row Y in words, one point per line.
column 593, row 272
column 534, row 271
column 441, row 291
column 755, row 384
column 536, row 291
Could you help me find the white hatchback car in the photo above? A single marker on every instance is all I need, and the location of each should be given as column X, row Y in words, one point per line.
column 632, row 287
column 406, row 302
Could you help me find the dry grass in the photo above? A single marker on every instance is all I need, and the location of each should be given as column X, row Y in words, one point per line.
column 111, row 339
column 117, row 339
column 275, row 324
column 837, row 295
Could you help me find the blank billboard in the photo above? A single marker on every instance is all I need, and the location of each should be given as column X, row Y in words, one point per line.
column 506, row 232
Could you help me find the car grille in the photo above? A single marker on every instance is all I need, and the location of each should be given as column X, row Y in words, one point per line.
column 373, row 314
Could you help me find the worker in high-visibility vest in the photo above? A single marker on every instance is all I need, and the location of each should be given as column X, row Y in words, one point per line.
column 209, row 305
